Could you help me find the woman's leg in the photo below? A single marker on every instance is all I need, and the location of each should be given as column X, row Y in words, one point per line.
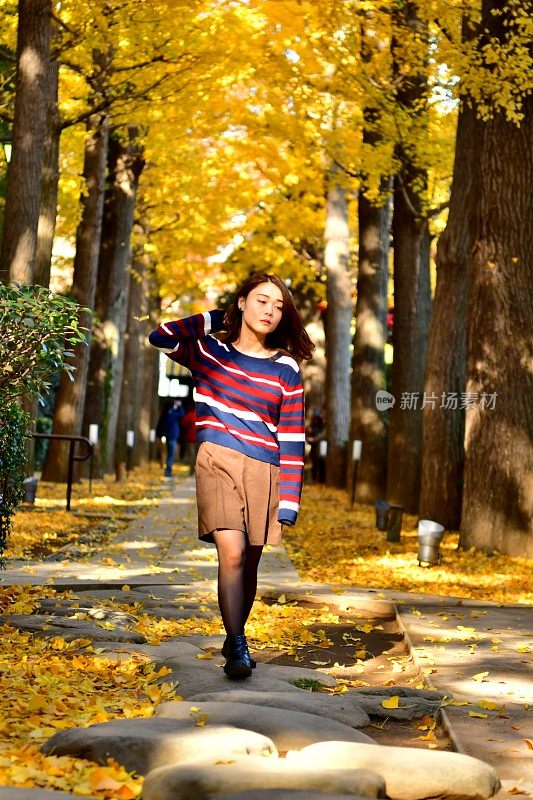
column 231, row 549
column 251, row 564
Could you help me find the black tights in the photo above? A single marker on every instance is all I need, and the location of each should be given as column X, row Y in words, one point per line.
column 237, row 578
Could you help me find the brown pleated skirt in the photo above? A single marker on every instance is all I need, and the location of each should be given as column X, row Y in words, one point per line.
column 236, row 492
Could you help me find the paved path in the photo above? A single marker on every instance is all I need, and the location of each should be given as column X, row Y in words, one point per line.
column 476, row 651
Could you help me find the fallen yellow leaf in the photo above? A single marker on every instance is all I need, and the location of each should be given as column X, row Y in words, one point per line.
column 489, row 705
column 391, row 702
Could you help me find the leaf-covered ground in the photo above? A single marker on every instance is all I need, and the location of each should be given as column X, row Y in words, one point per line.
column 333, row 543
column 46, row 526
column 70, row 684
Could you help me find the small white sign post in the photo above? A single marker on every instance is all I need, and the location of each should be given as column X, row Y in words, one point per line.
column 357, row 447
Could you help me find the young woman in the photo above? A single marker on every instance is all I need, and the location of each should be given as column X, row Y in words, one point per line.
column 250, row 426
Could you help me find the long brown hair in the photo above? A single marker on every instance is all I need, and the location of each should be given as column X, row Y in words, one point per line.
column 290, row 335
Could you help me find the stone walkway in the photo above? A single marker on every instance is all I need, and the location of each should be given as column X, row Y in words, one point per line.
column 271, row 738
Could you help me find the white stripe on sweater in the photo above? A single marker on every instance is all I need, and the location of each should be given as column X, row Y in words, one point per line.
column 287, row 504
column 249, row 415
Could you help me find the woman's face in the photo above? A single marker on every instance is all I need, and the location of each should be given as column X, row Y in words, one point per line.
column 262, row 308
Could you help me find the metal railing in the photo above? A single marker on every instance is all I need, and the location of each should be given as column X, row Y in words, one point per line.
column 72, row 456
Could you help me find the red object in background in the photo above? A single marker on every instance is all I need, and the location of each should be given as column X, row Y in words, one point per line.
column 390, row 319
column 188, row 426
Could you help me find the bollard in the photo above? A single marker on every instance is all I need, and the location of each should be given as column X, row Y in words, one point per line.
column 382, row 511
column 429, row 538
column 30, row 488
column 394, row 522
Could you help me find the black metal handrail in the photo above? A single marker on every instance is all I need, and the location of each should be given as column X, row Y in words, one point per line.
column 72, row 457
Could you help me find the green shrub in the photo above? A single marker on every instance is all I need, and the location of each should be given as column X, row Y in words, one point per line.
column 13, row 426
column 37, row 331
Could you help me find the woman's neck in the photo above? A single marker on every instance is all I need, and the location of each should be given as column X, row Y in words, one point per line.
column 250, row 343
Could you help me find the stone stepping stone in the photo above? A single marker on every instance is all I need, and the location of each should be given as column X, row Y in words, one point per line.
column 205, row 676
column 289, row 730
column 203, row 780
column 96, row 612
column 146, row 744
column 176, row 592
column 132, row 596
column 154, row 652
column 341, row 708
column 14, row 793
column 166, row 612
column 194, row 675
column 409, row 773
column 69, row 629
column 278, row 671
column 286, row 794
column 412, row 703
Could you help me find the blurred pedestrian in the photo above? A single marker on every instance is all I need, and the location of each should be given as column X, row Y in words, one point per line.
column 171, row 427
column 315, row 434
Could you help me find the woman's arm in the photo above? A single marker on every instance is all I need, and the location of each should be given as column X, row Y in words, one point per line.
column 291, row 438
column 177, row 338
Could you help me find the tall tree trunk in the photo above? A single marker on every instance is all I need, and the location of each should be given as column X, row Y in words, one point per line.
column 412, row 290
column 127, row 390
column 21, row 215
column 443, row 428
column 70, row 399
column 107, row 350
column 368, row 361
column 154, row 359
column 412, row 311
column 149, row 377
column 498, row 488
column 49, row 182
column 129, row 407
column 338, row 321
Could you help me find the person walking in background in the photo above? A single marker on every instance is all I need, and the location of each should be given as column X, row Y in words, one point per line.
column 171, row 429
column 188, row 436
column 316, row 433
column 250, row 429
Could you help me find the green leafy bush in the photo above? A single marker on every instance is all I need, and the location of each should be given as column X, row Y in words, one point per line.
column 37, row 331
column 13, row 425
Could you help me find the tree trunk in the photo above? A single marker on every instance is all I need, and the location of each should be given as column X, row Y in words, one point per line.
column 412, row 311
column 443, row 427
column 498, row 489
column 412, row 290
column 149, row 377
column 70, row 399
column 130, row 396
column 107, row 350
column 154, row 360
column 49, row 183
column 368, row 361
column 21, row 215
column 338, row 322
column 127, row 389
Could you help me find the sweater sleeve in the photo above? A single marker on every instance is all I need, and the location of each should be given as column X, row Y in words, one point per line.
column 291, row 438
column 177, row 338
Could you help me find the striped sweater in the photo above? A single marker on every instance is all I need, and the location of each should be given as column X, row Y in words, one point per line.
column 249, row 404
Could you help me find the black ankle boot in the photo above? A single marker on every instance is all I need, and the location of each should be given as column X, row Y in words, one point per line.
column 225, row 652
column 238, row 664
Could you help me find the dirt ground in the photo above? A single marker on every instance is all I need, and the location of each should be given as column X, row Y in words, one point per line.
column 386, row 663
